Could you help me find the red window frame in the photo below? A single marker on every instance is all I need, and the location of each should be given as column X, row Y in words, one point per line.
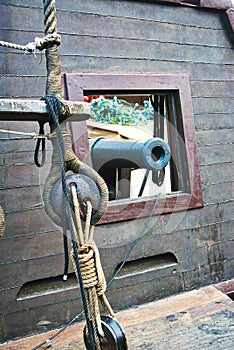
column 78, row 84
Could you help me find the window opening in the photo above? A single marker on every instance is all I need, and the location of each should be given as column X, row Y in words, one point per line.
column 153, row 114
column 133, row 188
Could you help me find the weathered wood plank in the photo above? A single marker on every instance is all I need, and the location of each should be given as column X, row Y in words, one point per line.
column 125, row 28
column 31, row 246
column 212, row 88
column 140, row 10
column 17, row 273
column 98, row 46
column 217, row 173
column 203, row 235
column 24, row 65
column 25, row 19
column 39, row 319
column 34, row 86
column 218, row 194
column 209, row 215
column 186, row 229
column 31, row 86
column 202, row 318
column 139, row 49
column 22, row 198
column 22, row 175
column 176, row 15
column 64, row 291
column 215, row 154
column 82, row 24
column 203, row 105
column 12, row 146
column 17, row 176
column 36, row 110
column 210, row 121
column 214, row 137
column 20, row 158
column 21, row 126
column 28, row 222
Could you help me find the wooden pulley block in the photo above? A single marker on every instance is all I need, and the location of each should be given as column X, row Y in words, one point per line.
column 114, row 337
column 86, row 190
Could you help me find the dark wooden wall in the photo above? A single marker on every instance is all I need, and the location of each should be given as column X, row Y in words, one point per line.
column 117, row 36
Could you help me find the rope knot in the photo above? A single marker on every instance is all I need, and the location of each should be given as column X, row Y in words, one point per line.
column 90, row 267
column 47, row 41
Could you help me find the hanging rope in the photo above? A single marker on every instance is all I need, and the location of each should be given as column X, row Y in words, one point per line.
column 64, row 159
column 91, row 270
column 53, row 81
column 74, row 164
column 54, row 107
column 2, row 221
column 40, row 142
column 142, row 234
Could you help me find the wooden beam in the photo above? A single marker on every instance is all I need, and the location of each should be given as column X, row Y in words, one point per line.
column 199, row 319
column 36, row 110
column 215, row 4
column 230, row 14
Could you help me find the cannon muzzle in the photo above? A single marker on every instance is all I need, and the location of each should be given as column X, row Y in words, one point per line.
column 152, row 154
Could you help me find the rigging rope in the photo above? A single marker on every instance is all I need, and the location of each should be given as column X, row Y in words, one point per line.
column 39, row 43
column 91, row 269
column 40, row 142
column 54, row 107
column 64, row 159
column 143, row 232
column 2, row 221
column 29, row 134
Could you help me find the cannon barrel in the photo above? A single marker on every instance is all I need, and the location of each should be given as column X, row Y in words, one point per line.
column 152, row 154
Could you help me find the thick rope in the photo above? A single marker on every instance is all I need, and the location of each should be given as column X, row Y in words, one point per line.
column 90, row 267
column 50, row 21
column 51, row 38
column 54, row 89
column 2, row 221
column 38, row 44
column 53, row 82
column 87, row 271
column 54, row 92
column 29, row 134
column 74, row 164
column 54, row 107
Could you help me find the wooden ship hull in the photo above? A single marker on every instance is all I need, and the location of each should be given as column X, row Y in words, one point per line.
column 184, row 249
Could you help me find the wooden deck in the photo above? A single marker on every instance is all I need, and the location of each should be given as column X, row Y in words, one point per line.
column 200, row 319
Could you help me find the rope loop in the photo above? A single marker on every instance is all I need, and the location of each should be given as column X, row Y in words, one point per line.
column 40, row 142
column 70, row 161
